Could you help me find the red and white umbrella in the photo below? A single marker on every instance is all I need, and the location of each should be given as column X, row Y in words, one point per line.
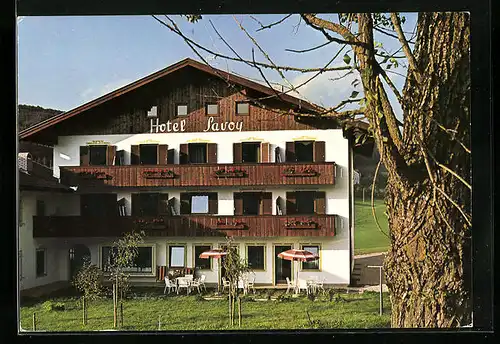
column 298, row 256
column 214, row 253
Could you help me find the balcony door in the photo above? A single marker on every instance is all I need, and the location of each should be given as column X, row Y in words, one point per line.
column 282, row 267
column 78, row 254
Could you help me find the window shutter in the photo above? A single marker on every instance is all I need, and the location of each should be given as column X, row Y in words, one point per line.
column 264, row 152
column 290, row 152
column 184, row 153
column 320, row 202
column 136, row 204
column 238, row 203
column 279, row 206
column 135, row 155
column 319, row 151
column 185, row 203
column 110, row 155
column 171, row 207
column 291, row 203
column 84, row 156
column 213, row 203
column 162, row 154
column 170, row 156
column 212, row 153
column 163, row 204
column 237, row 153
column 267, row 203
column 120, row 158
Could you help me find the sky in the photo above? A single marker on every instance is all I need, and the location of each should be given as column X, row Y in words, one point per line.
column 64, row 62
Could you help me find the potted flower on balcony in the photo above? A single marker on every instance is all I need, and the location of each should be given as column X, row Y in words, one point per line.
column 309, row 224
column 306, row 172
column 151, row 223
column 224, row 224
column 158, row 174
column 230, row 172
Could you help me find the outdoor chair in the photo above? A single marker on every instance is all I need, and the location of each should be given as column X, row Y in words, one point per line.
column 196, row 284
column 320, row 284
column 189, row 277
column 251, row 284
column 289, row 285
column 183, row 283
column 170, row 285
column 225, row 283
column 202, row 282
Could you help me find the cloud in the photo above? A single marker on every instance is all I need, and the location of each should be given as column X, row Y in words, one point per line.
column 92, row 93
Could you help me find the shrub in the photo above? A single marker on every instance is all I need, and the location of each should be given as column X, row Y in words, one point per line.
column 311, row 296
column 50, row 306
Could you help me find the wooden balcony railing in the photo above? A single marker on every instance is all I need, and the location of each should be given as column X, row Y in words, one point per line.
column 184, row 226
column 268, row 174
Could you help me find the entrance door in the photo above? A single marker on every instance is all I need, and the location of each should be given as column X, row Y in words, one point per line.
column 282, row 267
column 77, row 256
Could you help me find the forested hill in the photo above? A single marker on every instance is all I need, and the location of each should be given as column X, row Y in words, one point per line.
column 30, row 115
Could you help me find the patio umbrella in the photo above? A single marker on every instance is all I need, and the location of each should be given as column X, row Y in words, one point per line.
column 214, row 253
column 298, row 256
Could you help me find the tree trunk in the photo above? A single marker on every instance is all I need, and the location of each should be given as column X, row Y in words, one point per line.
column 239, row 311
column 428, row 265
column 84, row 310
column 114, row 305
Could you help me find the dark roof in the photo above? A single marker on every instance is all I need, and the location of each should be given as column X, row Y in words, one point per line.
column 32, row 182
column 170, row 69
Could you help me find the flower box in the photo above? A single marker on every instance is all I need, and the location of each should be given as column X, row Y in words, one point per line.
column 230, row 173
column 161, row 174
column 306, row 172
column 301, row 225
column 95, row 175
column 231, row 226
column 158, row 223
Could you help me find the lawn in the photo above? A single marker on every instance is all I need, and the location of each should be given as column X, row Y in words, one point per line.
column 194, row 313
column 367, row 236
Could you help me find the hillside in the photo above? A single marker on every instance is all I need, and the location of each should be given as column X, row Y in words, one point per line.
column 30, row 115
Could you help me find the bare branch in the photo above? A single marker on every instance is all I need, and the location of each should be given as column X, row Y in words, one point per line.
column 406, row 48
column 342, row 76
column 389, row 34
column 391, row 85
column 452, row 133
column 372, row 199
column 310, row 49
column 321, row 24
column 173, row 27
column 263, row 27
column 347, row 101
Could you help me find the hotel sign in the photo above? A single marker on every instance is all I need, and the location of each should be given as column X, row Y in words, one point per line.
column 157, row 127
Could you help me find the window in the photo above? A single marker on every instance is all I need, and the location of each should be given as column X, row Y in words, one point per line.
column 251, row 203
column 98, row 155
column 199, row 205
column 314, row 265
column 305, row 202
column 255, row 257
column 201, row 263
column 148, row 154
column 304, row 151
column 98, row 204
column 41, row 263
column 212, row 109
column 250, row 151
column 197, row 153
column 182, row 110
column 242, row 108
column 142, row 264
column 176, row 256
column 145, row 204
column 40, row 208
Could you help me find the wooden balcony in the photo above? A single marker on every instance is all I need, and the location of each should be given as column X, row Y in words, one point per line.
column 183, row 226
column 268, row 174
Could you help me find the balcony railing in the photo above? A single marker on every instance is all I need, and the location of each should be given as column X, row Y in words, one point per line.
column 185, row 226
column 200, row 175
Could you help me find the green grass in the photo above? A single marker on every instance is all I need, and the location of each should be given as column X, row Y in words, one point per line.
column 367, row 236
column 189, row 313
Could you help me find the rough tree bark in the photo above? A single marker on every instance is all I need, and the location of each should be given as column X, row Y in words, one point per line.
column 428, row 264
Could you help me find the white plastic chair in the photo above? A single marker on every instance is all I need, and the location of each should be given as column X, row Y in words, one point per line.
column 320, row 285
column 202, row 282
column 183, row 283
column 251, row 284
column 225, row 283
column 289, row 285
column 170, row 285
column 196, row 284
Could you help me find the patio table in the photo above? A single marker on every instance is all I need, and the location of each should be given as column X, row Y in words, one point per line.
column 187, row 280
column 312, row 286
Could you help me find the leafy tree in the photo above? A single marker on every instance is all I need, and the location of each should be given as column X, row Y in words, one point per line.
column 426, row 154
column 122, row 255
column 88, row 281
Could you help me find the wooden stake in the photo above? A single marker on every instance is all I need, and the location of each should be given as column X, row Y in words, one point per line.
column 34, row 321
column 83, row 310
column 121, row 313
column 114, row 307
column 239, row 311
column 229, row 300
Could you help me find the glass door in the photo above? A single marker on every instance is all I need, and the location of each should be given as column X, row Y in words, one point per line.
column 282, row 267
